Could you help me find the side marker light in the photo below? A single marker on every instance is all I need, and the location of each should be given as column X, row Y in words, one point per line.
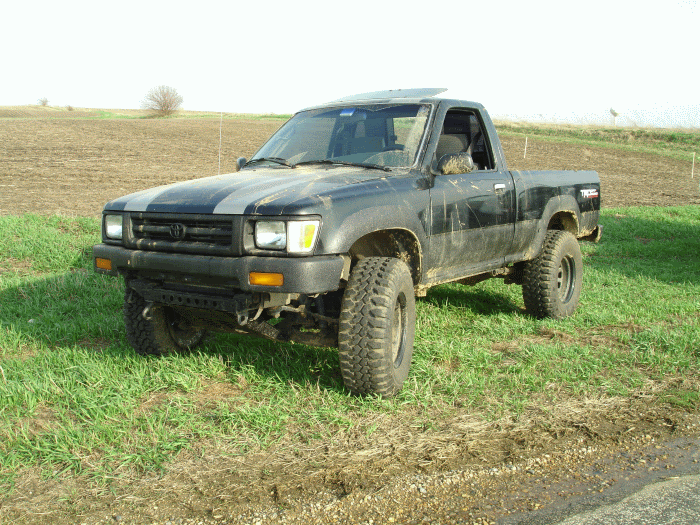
column 103, row 264
column 266, row 279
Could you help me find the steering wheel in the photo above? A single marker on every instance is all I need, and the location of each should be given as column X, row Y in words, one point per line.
column 394, row 147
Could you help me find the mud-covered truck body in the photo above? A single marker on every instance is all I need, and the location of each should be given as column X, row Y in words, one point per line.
column 348, row 212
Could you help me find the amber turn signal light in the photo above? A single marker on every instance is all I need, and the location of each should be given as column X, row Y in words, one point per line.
column 103, row 264
column 266, row 279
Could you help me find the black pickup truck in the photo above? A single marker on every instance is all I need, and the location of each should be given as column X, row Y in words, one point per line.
column 345, row 215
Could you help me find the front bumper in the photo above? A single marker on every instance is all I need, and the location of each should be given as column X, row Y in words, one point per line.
column 304, row 275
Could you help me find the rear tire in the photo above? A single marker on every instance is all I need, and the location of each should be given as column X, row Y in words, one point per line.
column 552, row 281
column 162, row 331
column 377, row 327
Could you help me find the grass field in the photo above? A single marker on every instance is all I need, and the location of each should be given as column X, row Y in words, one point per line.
column 71, row 113
column 674, row 143
column 76, row 401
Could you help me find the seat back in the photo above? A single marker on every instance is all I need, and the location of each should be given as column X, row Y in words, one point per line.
column 450, row 144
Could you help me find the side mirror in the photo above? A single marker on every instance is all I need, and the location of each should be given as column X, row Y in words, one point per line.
column 455, row 163
column 240, row 162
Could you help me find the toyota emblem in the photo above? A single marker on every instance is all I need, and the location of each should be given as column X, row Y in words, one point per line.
column 177, row 231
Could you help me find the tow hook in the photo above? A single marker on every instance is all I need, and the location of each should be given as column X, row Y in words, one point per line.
column 146, row 314
column 242, row 318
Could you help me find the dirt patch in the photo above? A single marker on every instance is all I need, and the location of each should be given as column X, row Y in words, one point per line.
column 465, row 469
column 601, row 336
column 44, row 418
column 16, row 266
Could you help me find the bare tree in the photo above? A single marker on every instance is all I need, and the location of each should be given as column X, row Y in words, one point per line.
column 164, row 100
column 44, row 101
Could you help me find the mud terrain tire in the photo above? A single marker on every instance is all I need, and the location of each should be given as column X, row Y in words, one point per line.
column 552, row 281
column 162, row 332
column 377, row 327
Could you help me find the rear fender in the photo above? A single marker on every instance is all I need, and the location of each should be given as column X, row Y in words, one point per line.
column 560, row 213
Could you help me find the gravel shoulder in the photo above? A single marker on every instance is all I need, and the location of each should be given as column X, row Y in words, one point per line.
column 541, row 489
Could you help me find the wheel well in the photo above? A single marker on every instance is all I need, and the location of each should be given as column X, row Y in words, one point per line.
column 399, row 244
column 564, row 220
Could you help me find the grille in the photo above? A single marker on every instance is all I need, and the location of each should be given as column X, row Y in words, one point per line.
column 200, row 234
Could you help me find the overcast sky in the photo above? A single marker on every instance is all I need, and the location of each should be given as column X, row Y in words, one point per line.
column 560, row 59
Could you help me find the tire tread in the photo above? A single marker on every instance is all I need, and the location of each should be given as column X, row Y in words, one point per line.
column 539, row 277
column 365, row 320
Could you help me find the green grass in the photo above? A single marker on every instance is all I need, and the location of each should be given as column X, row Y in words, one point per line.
column 62, row 113
column 133, row 114
column 680, row 144
column 76, row 400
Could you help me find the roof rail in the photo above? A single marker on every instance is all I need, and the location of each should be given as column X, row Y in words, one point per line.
column 394, row 93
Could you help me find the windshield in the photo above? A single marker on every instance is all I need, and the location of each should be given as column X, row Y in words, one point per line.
column 376, row 135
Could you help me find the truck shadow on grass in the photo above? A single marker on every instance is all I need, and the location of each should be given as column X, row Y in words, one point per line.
column 79, row 311
column 78, row 315
column 299, row 364
column 270, row 361
column 478, row 300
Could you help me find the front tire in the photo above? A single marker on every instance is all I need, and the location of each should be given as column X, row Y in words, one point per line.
column 161, row 331
column 377, row 327
column 552, row 281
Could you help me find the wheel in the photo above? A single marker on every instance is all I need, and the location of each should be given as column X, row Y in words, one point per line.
column 377, row 327
column 161, row 331
column 552, row 281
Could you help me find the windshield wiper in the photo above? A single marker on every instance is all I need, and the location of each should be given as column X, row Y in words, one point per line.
column 343, row 163
column 278, row 160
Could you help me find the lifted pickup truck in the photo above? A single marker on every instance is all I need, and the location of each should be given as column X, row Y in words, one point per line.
column 329, row 232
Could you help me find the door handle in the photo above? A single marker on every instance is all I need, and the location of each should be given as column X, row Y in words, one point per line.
column 499, row 188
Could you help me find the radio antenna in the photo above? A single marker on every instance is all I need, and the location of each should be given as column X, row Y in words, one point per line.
column 221, row 121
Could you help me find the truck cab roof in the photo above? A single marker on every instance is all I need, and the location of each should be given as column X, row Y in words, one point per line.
column 399, row 96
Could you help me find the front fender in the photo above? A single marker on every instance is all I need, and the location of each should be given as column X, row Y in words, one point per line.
column 372, row 220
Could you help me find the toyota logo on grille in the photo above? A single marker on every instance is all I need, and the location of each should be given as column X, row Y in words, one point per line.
column 177, row 231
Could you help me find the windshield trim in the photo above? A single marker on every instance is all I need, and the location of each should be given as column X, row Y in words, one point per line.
column 427, row 133
column 344, row 163
column 275, row 160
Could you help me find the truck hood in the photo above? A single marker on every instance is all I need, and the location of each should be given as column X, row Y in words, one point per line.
column 264, row 191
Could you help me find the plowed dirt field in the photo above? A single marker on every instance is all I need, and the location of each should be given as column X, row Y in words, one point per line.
column 73, row 167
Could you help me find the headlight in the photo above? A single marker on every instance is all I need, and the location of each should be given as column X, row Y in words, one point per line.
column 294, row 236
column 270, row 235
column 301, row 236
column 113, row 226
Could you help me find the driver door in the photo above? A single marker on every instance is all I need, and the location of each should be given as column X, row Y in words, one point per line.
column 472, row 220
